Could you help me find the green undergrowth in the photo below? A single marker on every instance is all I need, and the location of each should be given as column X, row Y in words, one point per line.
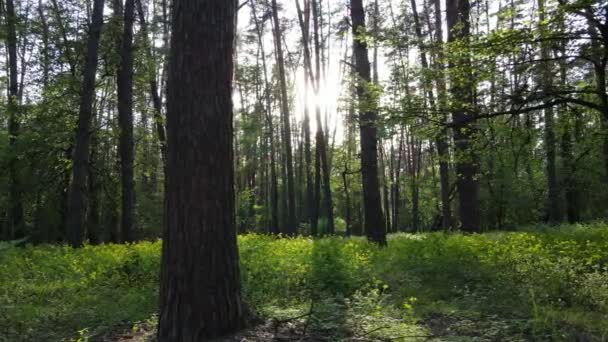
column 529, row 285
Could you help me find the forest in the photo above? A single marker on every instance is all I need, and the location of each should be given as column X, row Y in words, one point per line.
column 304, row 170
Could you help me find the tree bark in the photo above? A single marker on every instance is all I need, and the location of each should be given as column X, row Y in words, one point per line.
column 200, row 296
column 15, row 213
column 546, row 80
column 291, row 226
column 126, row 144
column 78, row 187
column 443, row 151
column 274, row 188
column 374, row 222
column 153, row 85
column 462, row 91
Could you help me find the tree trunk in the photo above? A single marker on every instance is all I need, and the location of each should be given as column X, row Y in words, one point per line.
column 314, row 228
column 126, row 144
column 153, row 85
column 15, row 213
column 77, row 193
column 374, row 222
column 290, row 225
column 46, row 58
column 442, row 139
column 274, row 188
column 308, row 159
column 462, row 90
column 200, row 295
column 93, row 226
column 546, row 80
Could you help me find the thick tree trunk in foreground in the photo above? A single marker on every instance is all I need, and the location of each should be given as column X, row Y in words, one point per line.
column 126, row 145
column 467, row 166
column 200, row 287
column 77, row 193
column 374, row 221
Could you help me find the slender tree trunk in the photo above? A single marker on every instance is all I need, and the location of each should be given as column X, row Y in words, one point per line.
column 397, row 225
column 308, row 158
column 46, row 58
column 462, row 90
column 347, row 214
column 15, row 213
column 274, row 187
column 291, row 225
column 153, row 85
column 314, row 229
column 93, row 224
column 570, row 181
column 77, row 192
column 546, row 80
column 126, row 144
column 374, row 222
column 384, row 167
column 321, row 138
column 200, row 295
column 442, row 137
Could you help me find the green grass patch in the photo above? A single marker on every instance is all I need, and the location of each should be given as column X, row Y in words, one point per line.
column 541, row 285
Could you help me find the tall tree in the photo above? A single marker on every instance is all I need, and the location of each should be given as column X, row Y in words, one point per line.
column 546, row 81
column 284, row 100
column 153, row 85
column 462, row 91
column 126, row 144
column 374, row 221
column 442, row 139
column 274, row 188
column 200, row 287
column 15, row 212
column 78, row 187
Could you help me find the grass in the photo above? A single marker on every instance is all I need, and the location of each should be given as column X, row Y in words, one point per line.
column 528, row 285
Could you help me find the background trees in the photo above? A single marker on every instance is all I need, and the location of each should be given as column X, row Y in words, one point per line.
column 489, row 117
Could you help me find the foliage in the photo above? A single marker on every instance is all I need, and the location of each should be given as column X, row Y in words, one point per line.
column 541, row 283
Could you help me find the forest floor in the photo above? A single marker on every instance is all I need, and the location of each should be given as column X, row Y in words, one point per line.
column 539, row 284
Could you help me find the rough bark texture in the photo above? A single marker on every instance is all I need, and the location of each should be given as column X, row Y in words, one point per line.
column 126, row 145
column 200, row 287
column 374, row 221
column 467, row 167
column 78, row 187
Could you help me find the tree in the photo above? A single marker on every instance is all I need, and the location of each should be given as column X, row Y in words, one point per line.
column 15, row 212
column 374, row 221
column 441, row 140
column 284, row 100
column 546, row 81
column 124, row 85
column 78, row 187
column 462, row 90
column 200, row 287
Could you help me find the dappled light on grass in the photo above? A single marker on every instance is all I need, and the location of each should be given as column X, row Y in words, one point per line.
column 520, row 285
